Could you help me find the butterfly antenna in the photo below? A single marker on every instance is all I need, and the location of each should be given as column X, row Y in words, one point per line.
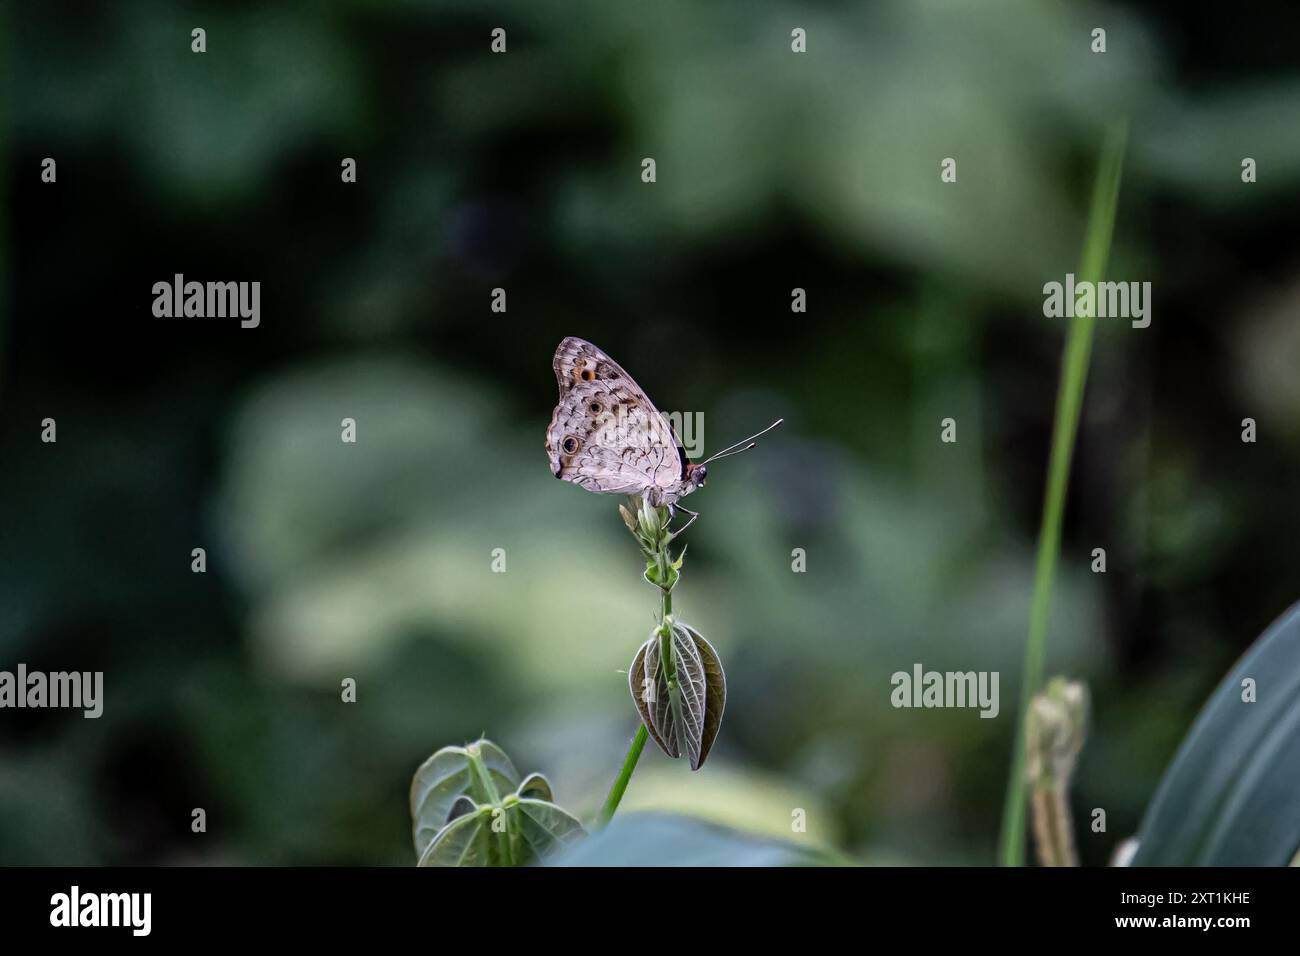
column 748, row 443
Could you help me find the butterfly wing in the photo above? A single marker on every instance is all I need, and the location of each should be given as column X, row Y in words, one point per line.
column 606, row 435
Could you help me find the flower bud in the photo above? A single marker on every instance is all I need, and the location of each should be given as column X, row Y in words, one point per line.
column 629, row 518
column 1054, row 730
column 650, row 526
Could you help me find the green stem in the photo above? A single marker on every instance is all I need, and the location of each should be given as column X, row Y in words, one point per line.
column 669, row 665
column 642, row 735
column 670, row 678
column 489, row 790
column 1069, row 401
column 620, row 785
column 666, row 641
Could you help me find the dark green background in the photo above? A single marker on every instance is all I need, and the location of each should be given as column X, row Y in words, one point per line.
column 522, row 171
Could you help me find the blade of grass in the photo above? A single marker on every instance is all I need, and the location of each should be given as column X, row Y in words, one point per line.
column 1069, row 401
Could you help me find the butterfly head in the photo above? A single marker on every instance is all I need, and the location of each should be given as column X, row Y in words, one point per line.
column 695, row 476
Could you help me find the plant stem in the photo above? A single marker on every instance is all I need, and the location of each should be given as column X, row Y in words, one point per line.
column 1069, row 401
column 666, row 641
column 489, row 789
column 620, row 785
column 1053, row 826
column 642, row 735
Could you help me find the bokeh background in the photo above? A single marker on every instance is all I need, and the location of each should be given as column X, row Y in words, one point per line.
column 522, row 171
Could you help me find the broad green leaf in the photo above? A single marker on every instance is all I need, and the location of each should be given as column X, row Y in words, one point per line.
column 462, row 806
column 668, row 709
column 686, row 711
column 715, row 703
column 540, row 828
column 646, row 693
column 649, row 839
column 450, row 774
column 692, row 693
column 1229, row 797
column 537, row 787
column 516, row 832
column 466, row 841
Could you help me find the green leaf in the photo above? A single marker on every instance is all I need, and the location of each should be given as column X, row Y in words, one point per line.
column 646, row 694
column 516, row 832
column 449, row 775
column 462, row 806
column 1229, row 797
column 715, row 703
column 665, row 703
column 664, row 577
column 466, row 841
column 650, row 839
column 469, row 808
column 688, row 709
column 540, row 828
column 536, row 786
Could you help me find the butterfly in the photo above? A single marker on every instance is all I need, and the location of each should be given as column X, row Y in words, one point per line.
column 607, row 436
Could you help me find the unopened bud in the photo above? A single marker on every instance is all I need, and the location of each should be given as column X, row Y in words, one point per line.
column 1055, row 729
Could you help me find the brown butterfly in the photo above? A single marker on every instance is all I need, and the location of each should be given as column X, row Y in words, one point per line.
column 608, row 437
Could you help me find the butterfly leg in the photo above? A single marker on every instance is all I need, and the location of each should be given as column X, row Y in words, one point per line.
column 693, row 514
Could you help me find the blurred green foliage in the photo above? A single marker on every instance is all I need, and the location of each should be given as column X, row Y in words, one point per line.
column 372, row 560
